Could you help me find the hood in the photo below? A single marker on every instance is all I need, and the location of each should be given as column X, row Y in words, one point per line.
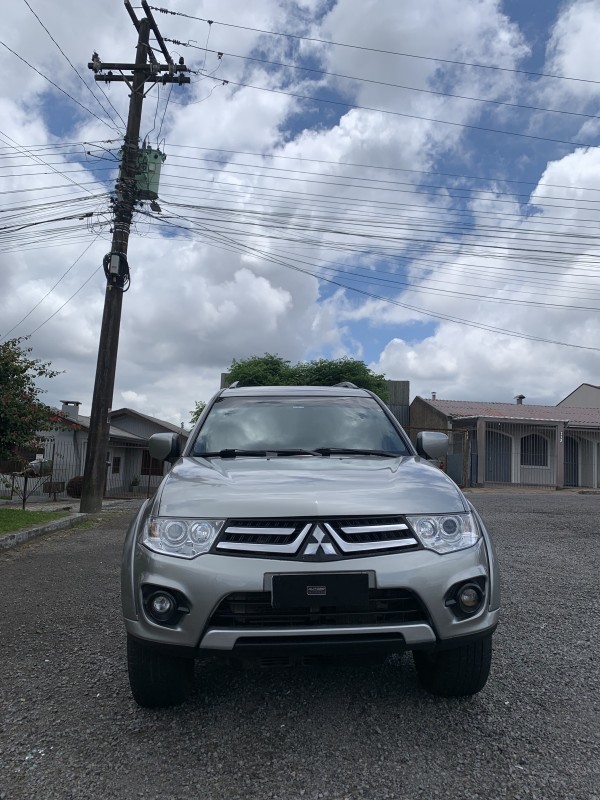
column 306, row 486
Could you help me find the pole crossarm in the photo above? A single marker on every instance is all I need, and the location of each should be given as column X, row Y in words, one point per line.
column 180, row 79
column 98, row 66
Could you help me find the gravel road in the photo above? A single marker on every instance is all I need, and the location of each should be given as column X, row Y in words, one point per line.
column 69, row 728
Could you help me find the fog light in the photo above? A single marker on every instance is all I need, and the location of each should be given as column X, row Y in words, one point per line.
column 469, row 598
column 161, row 606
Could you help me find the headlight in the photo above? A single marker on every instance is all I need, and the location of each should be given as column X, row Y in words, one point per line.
column 445, row 533
column 181, row 537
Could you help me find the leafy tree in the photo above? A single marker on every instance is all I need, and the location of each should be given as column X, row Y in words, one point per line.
column 272, row 370
column 198, row 409
column 328, row 372
column 267, row 370
column 22, row 414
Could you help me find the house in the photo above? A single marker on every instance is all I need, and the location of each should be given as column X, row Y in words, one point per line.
column 129, row 467
column 514, row 443
column 585, row 395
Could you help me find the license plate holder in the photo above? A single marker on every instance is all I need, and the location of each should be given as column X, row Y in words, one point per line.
column 308, row 590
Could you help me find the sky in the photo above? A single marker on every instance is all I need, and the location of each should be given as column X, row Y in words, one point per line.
column 416, row 185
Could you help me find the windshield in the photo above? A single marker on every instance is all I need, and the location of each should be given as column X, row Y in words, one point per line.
column 298, row 423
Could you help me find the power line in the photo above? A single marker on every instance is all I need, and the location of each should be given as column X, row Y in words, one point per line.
column 386, row 168
column 35, row 330
column 414, row 188
column 164, row 113
column 373, row 275
column 56, row 86
column 225, row 81
column 222, row 54
column 76, row 71
column 375, row 49
column 58, row 145
column 415, row 191
column 422, row 188
column 64, row 275
column 340, row 202
column 37, row 158
column 446, row 317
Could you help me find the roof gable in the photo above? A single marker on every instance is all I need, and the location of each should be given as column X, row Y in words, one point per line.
column 128, row 419
column 586, row 394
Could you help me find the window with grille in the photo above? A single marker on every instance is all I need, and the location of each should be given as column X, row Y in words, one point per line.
column 534, row 451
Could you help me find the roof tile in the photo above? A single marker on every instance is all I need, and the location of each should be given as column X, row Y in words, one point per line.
column 472, row 408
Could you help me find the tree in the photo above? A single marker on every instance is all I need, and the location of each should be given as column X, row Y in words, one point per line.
column 198, row 409
column 22, row 414
column 272, row 370
column 267, row 370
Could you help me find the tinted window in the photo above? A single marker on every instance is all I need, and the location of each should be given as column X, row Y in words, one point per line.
column 306, row 423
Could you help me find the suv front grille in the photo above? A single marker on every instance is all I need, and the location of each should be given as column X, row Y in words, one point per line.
column 286, row 538
column 254, row 610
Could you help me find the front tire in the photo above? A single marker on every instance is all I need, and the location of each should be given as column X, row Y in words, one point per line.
column 457, row 672
column 158, row 680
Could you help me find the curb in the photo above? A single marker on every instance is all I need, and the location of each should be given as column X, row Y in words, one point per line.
column 8, row 540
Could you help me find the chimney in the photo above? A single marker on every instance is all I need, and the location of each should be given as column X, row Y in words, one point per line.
column 519, row 398
column 433, row 395
column 70, row 409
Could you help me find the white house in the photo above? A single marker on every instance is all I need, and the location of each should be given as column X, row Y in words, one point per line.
column 129, row 467
column 518, row 444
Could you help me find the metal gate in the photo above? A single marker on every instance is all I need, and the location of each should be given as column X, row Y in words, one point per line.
column 518, row 454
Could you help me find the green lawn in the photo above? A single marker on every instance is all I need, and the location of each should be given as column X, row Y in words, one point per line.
column 15, row 519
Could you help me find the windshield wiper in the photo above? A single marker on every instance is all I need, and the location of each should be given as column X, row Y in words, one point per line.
column 233, row 452
column 334, row 451
column 319, row 451
column 298, row 451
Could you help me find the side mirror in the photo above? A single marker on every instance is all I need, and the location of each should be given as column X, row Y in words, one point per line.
column 432, row 445
column 165, row 446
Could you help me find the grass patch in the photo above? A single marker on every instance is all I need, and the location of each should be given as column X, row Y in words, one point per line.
column 15, row 519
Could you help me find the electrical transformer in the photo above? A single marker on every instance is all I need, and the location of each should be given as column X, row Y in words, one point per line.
column 148, row 173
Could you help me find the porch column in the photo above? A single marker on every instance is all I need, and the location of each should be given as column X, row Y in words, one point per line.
column 559, row 455
column 481, row 426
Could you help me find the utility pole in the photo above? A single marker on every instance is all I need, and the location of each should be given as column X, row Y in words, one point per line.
column 145, row 70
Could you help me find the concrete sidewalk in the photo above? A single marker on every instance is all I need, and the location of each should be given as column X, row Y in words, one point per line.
column 8, row 540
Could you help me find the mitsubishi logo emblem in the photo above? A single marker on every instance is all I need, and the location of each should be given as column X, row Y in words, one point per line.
column 319, row 543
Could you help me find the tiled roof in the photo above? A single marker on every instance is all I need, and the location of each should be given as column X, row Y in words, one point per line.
column 472, row 408
column 168, row 425
column 115, row 432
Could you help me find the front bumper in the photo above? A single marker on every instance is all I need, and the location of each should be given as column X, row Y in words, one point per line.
column 208, row 579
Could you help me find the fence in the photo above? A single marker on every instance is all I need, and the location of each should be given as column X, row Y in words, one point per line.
column 130, row 472
column 522, row 454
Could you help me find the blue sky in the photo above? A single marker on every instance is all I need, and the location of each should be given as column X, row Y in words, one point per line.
column 457, row 256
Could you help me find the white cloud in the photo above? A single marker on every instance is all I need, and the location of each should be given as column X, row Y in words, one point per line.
column 130, row 396
column 571, row 50
column 226, row 291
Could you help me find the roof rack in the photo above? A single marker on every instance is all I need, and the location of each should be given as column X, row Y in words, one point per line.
column 347, row 385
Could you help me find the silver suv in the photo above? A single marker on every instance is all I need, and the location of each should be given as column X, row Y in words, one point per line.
column 300, row 522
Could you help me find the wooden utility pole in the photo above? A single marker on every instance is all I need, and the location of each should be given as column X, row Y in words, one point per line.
column 145, row 70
